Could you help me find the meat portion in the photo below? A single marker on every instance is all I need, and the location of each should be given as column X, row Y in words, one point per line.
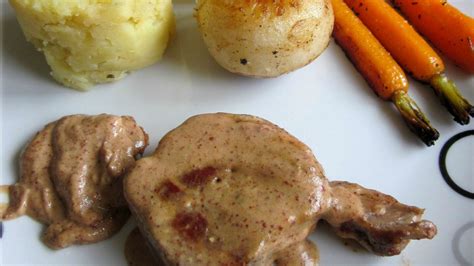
column 377, row 221
column 138, row 252
column 71, row 178
column 227, row 189
column 303, row 253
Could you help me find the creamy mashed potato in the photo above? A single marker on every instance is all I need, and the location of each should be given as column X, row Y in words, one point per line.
column 96, row 41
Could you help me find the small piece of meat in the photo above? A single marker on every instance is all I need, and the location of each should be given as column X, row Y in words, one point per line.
column 71, row 178
column 226, row 189
column 377, row 221
column 138, row 252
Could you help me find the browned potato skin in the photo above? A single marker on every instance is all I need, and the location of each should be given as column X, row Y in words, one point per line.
column 262, row 38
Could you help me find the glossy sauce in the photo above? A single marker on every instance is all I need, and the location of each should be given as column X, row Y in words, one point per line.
column 138, row 253
column 71, row 178
column 301, row 254
column 3, row 206
column 247, row 191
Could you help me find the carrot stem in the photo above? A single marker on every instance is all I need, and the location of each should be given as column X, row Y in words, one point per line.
column 452, row 99
column 382, row 73
column 414, row 118
column 412, row 52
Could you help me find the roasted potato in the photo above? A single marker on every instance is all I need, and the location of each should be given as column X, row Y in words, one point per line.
column 265, row 38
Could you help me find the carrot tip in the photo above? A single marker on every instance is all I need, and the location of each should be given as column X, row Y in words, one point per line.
column 414, row 118
column 452, row 99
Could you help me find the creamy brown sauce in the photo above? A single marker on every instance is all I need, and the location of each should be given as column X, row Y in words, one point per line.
column 139, row 253
column 220, row 190
column 3, row 206
column 226, row 189
column 301, row 254
column 71, row 178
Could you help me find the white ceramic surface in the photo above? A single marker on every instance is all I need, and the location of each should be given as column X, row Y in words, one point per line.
column 327, row 105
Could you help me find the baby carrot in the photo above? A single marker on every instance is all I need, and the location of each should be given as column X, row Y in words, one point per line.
column 412, row 52
column 379, row 69
column 446, row 27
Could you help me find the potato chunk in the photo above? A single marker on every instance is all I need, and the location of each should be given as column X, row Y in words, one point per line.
column 96, row 41
column 265, row 38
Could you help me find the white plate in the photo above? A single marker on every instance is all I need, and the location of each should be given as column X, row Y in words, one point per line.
column 355, row 135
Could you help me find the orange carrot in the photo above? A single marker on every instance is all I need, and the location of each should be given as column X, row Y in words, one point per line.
column 379, row 69
column 446, row 27
column 412, row 52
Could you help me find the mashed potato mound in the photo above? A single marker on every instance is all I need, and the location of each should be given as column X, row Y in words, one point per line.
column 96, row 41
